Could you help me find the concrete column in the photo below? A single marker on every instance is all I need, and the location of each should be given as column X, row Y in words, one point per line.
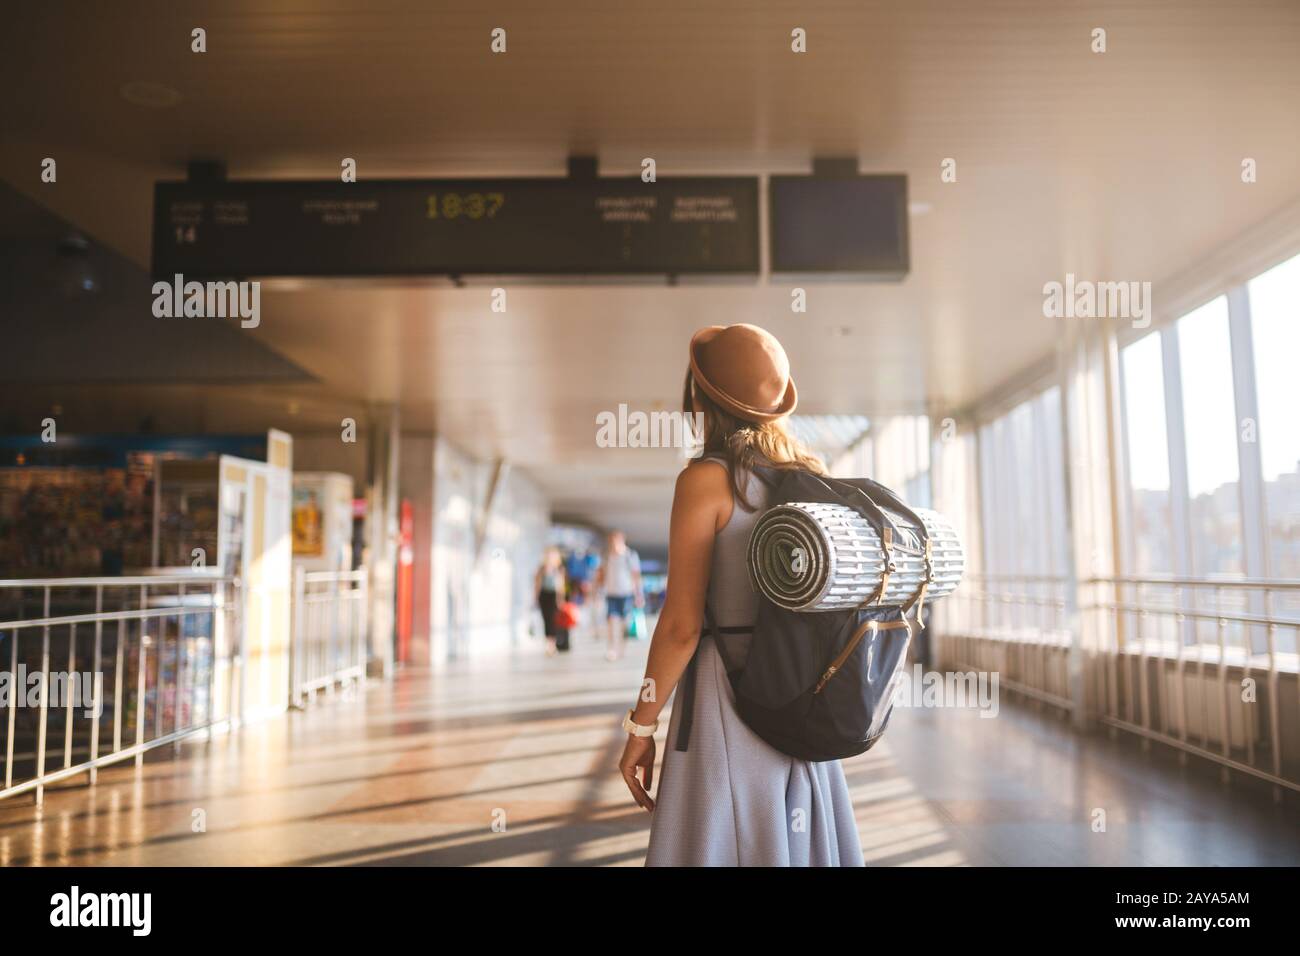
column 415, row 484
column 381, row 535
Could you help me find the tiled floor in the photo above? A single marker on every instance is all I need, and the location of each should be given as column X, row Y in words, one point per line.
column 511, row 761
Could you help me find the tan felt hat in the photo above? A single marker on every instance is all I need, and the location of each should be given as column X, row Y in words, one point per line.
column 744, row 369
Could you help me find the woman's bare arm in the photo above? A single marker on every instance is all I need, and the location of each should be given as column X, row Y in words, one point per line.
column 701, row 505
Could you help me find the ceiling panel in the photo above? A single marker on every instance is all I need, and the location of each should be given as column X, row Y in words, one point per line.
column 1123, row 165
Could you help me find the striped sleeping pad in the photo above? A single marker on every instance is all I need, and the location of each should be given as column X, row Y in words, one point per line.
column 826, row 557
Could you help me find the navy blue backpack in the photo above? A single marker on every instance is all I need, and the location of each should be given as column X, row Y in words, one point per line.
column 819, row 685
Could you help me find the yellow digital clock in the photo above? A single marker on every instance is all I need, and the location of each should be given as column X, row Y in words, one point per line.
column 468, row 205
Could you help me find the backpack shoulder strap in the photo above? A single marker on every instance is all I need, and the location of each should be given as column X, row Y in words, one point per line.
column 845, row 492
column 867, row 496
column 686, row 687
column 917, row 599
column 766, row 474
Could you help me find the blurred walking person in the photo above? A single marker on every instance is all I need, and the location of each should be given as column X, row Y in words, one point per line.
column 620, row 577
column 581, row 569
column 549, row 587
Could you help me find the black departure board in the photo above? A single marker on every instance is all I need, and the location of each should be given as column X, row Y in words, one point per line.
column 462, row 227
column 853, row 226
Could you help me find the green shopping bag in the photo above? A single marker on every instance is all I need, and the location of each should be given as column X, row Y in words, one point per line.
column 636, row 625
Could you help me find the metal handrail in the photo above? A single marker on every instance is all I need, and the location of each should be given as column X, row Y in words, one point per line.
column 328, row 646
column 1165, row 580
column 1149, row 663
column 1262, row 584
column 93, row 617
column 199, row 576
column 331, row 576
column 224, row 634
column 1036, row 578
column 1183, row 614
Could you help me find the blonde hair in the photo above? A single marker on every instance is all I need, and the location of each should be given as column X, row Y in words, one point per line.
column 744, row 444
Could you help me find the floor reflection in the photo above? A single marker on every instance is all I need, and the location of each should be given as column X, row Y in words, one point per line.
column 512, row 763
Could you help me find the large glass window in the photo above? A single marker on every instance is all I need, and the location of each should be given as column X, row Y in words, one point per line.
column 1275, row 322
column 955, row 473
column 989, row 499
column 1182, row 492
column 1210, row 425
column 916, row 490
column 901, row 448
column 1150, row 538
column 1053, row 478
column 1023, row 522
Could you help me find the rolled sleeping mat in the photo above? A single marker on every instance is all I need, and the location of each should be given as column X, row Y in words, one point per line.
column 827, row 557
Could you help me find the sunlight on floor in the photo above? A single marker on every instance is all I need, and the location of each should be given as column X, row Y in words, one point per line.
column 512, row 762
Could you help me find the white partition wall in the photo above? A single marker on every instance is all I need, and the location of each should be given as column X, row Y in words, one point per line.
column 255, row 543
column 490, row 526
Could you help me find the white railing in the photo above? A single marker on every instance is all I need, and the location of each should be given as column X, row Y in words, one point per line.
column 163, row 651
column 1208, row 667
column 328, row 649
column 1015, row 626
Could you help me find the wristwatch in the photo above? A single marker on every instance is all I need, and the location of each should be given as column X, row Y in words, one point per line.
column 638, row 730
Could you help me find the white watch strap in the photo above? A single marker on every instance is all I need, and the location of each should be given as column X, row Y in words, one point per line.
column 639, row 730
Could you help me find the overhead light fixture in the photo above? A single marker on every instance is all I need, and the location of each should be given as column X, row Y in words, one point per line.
column 152, row 96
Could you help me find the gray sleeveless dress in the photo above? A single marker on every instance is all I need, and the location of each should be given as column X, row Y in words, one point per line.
column 731, row 799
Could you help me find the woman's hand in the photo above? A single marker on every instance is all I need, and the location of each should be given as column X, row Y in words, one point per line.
column 701, row 504
column 639, row 752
